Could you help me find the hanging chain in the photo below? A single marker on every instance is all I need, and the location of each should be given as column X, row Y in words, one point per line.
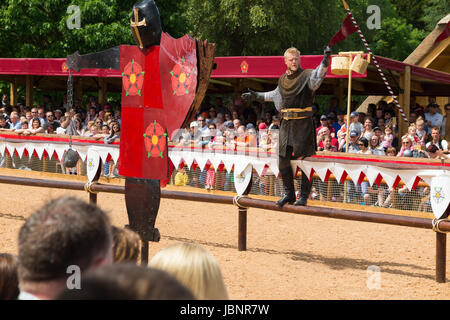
column 69, row 91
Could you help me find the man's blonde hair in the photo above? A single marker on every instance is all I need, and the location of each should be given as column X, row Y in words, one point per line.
column 292, row 50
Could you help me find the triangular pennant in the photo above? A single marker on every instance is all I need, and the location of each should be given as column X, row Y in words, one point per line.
column 188, row 158
column 337, row 170
column 39, row 151
column 50, row 148
column 59, row 151
column 259, row 166
column 389, row 176
column 273, row 166
column 20, row 148
column 103, row 154
column 354, row 171
column 2, row 149
column 372, row 174
column 321, row 168
column 228, row 161
column 295, row 166
column 201, row 159
column 241, row 164
column 175, row 157
column 307, row 167
column 10, row 149
column 115, row 153
column 408, row 177
column 216, row 161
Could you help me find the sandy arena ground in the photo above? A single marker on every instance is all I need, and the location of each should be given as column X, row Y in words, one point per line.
column 288, row 257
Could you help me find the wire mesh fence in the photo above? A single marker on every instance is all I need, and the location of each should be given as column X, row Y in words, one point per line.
column 364, row 194
column 268, row 185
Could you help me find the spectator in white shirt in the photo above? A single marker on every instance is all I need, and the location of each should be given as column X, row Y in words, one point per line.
column 434, row 118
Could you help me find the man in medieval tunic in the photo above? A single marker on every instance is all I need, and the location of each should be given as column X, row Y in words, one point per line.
column 293, row 98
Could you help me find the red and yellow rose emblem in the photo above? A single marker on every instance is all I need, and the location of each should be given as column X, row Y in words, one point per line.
column 155, row 140
column 183, row 75
column 244, row 66
column 133, row 78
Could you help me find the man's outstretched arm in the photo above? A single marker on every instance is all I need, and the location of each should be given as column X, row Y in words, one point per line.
column 270, row 96
column 108, row 59
column 319, row 73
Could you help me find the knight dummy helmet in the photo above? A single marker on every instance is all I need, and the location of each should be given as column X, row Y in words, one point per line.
column 146, row 24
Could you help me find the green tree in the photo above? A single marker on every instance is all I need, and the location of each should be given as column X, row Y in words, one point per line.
column 397, row 39
column 34, row 28
column 435, row 11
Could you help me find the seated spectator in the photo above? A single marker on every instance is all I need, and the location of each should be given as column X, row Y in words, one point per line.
column 65, row 232
column 445, row 128
column 421, row 132
column 388, row 138
column 91, row 116
column 181, row 178
column 340, row 121
column 433, row 117
column 324, row 124
column 79, row 129
column 363, row 144
column 367, row 131
column 126, row 245
column 355, row 125
column 327, row 145
column 4, row 126
column 14, row 122
column 433, row 152
column 58, row 114
column 9, row 283
column 24, row 127
column 353, row 143
column 195, row 268
column 35, row 128
column 114, row 134
column 220, row 122
column 412, row 135
column 127, row 281
column 323, row 133
column 51, row 122
column 406, row 149
column 375, row 146
column 437, row 141
column 391, row 152
column 275, row 122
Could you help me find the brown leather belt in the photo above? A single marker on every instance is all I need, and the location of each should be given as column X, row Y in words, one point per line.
column 295, row 113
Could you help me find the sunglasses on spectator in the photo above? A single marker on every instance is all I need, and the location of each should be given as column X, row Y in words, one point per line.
column 406, row 142
column 360, row 144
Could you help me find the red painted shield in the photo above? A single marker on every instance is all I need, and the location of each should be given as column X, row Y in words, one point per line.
column 178, row 72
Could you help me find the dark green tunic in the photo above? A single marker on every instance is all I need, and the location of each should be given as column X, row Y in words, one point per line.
column 299, row 133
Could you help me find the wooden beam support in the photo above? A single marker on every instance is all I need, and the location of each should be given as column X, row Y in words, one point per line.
column 102, row 91
column 29, row 90
column 13, row 92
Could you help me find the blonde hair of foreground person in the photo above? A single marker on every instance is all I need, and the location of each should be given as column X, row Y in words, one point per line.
column 194, row 267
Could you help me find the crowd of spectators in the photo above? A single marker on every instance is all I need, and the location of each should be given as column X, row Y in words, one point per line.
column 68, row 250
column 373, row 132
column 93, row 120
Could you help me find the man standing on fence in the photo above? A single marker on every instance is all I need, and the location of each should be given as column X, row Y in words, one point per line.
column 294, row 97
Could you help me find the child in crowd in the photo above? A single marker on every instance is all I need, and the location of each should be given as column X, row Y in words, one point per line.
column 210, row 178
column 181, row 178
column 388, row 138
column 355, row 125
column 412, row 135
column 420, row 131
